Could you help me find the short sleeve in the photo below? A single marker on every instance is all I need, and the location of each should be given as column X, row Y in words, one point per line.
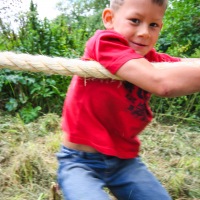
column 154, row 56
column 110, row 49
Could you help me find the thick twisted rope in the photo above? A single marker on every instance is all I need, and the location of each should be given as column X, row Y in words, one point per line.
column 56, row 65
column 66, row 66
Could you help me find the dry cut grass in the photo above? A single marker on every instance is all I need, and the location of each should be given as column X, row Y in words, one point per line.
column 27, row 157
column 173, row 155
column 28, row 163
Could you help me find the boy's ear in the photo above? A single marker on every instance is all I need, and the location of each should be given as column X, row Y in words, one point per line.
column 107, row 17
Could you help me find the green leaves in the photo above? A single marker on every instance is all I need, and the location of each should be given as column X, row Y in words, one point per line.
column 11, row 105
column 32, row 95
column 180, row 35
column 28, row 113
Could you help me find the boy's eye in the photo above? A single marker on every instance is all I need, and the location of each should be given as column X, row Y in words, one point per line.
column 135, row 21
column 154, row 25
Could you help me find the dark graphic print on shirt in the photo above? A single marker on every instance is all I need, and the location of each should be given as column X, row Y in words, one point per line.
column 138, row 101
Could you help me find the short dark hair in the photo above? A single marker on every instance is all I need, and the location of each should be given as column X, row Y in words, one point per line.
column 115, row 4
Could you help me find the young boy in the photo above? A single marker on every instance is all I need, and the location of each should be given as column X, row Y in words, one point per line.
column 102, row 118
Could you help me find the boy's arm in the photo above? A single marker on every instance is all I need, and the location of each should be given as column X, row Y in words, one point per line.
column 190, row 59
column 192, row 62
column 163, row 79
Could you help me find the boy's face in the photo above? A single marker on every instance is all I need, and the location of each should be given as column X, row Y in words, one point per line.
column 139, row 21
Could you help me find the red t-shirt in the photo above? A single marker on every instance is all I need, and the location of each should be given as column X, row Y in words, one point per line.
column 108, row 114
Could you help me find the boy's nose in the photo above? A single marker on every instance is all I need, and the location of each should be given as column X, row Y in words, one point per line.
column 144, row 31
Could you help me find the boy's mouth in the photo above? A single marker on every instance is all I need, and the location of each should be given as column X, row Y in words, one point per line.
column 139, row 44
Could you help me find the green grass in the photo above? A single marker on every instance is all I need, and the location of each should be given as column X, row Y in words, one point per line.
column 173, row 155
column 27, row 157
column 28, row 164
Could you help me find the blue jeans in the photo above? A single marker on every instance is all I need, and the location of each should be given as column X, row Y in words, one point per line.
column 82, row 176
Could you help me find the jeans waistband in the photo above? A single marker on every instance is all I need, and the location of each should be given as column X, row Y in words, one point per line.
column 97, row 155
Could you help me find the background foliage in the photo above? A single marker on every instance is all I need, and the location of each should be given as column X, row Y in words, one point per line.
column 32, row 95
